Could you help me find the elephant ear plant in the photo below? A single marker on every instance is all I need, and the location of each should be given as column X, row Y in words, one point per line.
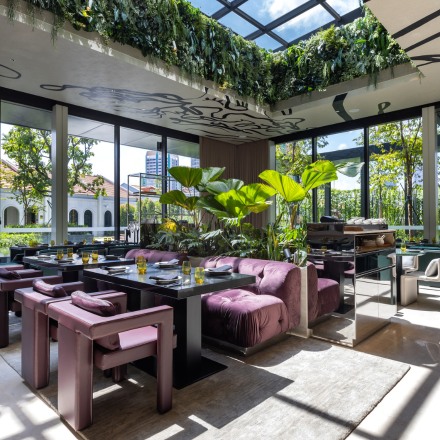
column 292, row 193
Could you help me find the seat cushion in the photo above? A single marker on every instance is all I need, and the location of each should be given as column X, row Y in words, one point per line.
column 328, row 296
column 242, row 317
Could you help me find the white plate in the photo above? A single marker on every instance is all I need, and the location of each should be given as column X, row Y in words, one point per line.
column 165, row 265
column 117, row 269
column 165, row 282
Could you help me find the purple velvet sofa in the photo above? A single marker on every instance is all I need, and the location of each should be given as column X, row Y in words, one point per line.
column 322, row 294
column 153, row 255
column 250, row 318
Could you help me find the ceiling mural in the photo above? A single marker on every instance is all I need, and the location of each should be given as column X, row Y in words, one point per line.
column 75, row 69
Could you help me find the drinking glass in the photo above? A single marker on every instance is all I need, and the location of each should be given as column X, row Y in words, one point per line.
column 95, row 255
column 142, row 267
column 69, row 252
column 403, row 246
column 85, row 257
column 60, row 254
column 199, row 275
column 186, row 268
column 140, row 259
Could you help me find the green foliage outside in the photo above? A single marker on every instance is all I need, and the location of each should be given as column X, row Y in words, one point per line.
column 180, row 35
column 7, row 240
column 29, row 149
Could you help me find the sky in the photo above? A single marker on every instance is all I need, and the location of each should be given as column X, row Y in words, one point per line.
column 265, row 11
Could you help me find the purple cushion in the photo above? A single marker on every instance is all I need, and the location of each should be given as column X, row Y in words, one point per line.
column 328, row 296
column 52, row 290
column 9, row 274
column 242, row 317
column 92, row 304
column 100, row 307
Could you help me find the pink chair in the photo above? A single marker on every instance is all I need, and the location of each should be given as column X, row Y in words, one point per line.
column 36, row 330
column 24, row 278
column 127, row 337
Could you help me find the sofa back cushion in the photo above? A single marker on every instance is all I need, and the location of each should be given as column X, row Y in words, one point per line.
column 154, row 256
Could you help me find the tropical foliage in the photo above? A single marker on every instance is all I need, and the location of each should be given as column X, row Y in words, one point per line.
column 180, row 35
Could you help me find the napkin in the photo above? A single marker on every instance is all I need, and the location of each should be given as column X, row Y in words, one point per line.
column 223, row 268
column 164, row 277
column 173, row 261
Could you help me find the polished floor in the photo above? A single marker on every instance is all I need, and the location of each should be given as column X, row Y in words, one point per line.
column 409, row 411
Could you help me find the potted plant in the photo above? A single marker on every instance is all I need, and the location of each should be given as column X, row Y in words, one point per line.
column 292, row 193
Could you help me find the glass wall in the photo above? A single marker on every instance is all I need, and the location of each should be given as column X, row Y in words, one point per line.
column 90, row 180
column 396, row 176
column 25, row 180
column 342, row 197
column 291, row 158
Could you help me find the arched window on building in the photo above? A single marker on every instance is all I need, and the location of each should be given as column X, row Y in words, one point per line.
column 88, row 218
column 73, row 217
column 11, row 216
column 107, row 219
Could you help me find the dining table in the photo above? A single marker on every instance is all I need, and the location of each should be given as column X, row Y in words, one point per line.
column 72, row 268
column 184, row 295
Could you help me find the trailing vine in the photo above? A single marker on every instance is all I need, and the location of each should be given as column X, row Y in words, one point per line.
column 179, row 34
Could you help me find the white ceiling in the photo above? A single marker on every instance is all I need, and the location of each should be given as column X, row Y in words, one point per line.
column 76, row 69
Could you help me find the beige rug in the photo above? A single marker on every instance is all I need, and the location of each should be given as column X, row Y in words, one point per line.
column 297, row 389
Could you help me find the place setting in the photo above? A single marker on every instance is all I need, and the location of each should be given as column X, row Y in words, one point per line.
column 171, row 264
column 220, row 271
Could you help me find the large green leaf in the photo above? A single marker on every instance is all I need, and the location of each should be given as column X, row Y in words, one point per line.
column 187, row 176
column 211, row 205
column 285, row 186
column 209, row 174
column 178, row 198
column 318, row 173
column 350, row 169
column 221, row 186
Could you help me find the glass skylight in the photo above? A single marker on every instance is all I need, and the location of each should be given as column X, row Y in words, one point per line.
column 275, row 24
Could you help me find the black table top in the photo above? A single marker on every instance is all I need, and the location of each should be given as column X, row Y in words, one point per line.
column 143, row 282
column 75, row 265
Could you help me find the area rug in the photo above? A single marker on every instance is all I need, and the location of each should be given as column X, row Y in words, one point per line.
column 296, row 389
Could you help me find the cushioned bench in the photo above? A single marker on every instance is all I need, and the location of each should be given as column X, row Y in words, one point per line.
column 249, row 318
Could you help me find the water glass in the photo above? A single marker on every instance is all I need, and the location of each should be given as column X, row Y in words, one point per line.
column 85, row 257
column 142, row 267
column 69, row 252
column 186, row 268
column 403, row 246
column 140, row 259
column 95, row 255
column 60, row 254
column 199, row 275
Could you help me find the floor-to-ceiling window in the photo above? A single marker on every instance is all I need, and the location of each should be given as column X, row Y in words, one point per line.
column 141, row 181
column 396, row 176
column 341, row 198
column 25, row 175
column 91, row 182
column 290, row 159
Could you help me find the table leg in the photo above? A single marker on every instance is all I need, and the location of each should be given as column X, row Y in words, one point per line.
column 189, row 364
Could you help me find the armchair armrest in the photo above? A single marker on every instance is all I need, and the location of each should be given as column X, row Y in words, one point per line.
column 94, row 326
column 30, row 273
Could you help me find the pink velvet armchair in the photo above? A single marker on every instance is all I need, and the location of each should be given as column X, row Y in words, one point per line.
column 18, row 279
column 36, row 329
column 127, row 337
